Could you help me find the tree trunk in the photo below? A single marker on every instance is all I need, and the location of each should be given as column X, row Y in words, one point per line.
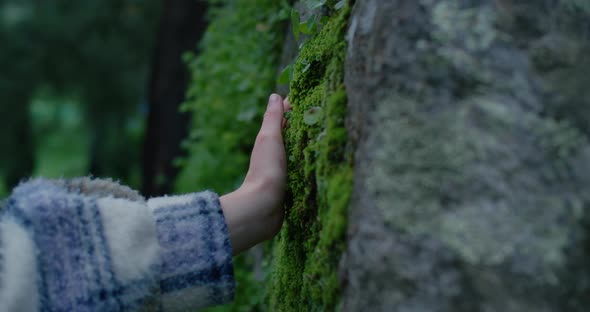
column 17, row 160
column 181, row 27
column 17, row 151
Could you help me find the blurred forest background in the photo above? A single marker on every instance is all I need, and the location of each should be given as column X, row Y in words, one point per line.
column 94, row 87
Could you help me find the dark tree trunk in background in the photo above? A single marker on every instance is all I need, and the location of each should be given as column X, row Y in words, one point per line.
column 181, row 27
column 17, row 150
column 16, row 145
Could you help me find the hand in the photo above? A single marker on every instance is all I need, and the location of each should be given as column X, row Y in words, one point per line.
column 254, row 212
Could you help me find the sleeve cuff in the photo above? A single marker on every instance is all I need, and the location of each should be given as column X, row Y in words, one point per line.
column 196, row 255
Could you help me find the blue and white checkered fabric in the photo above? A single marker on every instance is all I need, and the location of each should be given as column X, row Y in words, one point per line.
column 93, row 245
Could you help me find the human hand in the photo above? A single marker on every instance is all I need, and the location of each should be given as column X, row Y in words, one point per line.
column 254, row 212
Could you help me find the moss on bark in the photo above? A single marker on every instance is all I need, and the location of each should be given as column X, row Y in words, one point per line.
column 308, row 250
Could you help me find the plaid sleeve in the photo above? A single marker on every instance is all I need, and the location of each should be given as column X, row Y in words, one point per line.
column 66, row 250
column 92, row 245
column 196, row 255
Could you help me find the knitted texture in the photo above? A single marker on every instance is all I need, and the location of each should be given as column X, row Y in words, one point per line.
column 94, row 245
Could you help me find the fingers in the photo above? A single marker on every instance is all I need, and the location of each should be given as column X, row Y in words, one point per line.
column 268, row 160
column 273, row 118
column 286, row 104
column 286, row 108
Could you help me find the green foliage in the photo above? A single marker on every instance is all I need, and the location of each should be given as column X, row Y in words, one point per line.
column 231, row 80
column 311, row 242
column 61, row 135
column 286, row 75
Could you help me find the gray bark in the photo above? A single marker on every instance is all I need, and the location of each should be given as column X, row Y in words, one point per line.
column 471, row 121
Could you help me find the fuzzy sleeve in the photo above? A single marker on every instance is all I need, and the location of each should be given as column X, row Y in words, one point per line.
column 93, row 247
column 196, row 253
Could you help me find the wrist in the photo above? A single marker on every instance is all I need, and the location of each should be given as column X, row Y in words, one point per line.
column 253, row 215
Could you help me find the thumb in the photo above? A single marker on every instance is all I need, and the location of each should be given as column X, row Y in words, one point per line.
column 273, row 118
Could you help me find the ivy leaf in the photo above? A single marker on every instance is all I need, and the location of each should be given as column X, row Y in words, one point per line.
column 340, row 4
column 286, row 75
column 308, row 27
column 306, row 68
column 312, row 116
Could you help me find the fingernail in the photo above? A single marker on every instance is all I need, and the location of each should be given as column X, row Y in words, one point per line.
column 274, row 98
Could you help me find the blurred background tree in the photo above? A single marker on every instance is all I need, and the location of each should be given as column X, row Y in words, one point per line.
column 73, row 87
column 182, row 24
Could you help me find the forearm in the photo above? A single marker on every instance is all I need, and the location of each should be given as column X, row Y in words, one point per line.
column 254, row 212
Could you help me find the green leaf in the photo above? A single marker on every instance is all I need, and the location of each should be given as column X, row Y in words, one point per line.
column 286, row 75
column 309, row 27
column 312, row 116
column 306, row 68
column 340, row 4
column 295, row 21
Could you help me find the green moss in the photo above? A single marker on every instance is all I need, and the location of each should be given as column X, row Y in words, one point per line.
column 309, row 247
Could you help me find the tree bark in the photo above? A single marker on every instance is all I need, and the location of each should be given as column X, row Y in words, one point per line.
column 471, row 174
